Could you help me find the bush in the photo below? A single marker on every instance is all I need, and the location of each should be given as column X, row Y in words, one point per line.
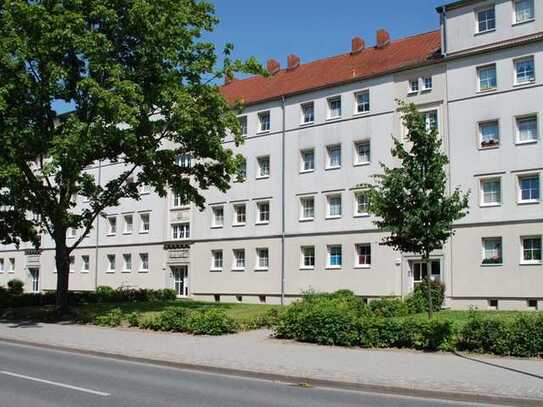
column 15, row 287
column 133, row 320
column 104, row 293
column 389, row 307
column 417, row 301
column 210, row 321
column 173, row 319
column 112, row 318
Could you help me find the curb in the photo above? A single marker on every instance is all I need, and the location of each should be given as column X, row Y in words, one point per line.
column 295, row 380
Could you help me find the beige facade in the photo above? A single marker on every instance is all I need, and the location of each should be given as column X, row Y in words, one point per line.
column 296, row 223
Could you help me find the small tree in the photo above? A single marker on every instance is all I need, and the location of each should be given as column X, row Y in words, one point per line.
column 411, row 202
column 141, row 82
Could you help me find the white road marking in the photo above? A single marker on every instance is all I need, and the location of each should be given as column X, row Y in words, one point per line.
column 66, row 386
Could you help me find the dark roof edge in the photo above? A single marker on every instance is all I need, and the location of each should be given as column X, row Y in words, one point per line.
column 456, row 4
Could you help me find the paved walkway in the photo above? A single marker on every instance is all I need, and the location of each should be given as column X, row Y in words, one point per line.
column 255, row 351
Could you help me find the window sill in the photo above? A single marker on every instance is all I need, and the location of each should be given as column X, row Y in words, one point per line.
column 306, row 171
column 358, row 114
column 216, row 270
column 428, row 90
column 522, row 143
column 111, row 234
column 492, row 265
column 531, row 20
column 361, row 215
column 126, row 271
column 333, row 267
column 261, row 269
column 306, row 219
column 362, row 164
column 305, row 268
column 307, row 123
column 180, row 208
column 110, row 272
column 143, row 271
column 238, row 270
column 413, row 93
column 494, row 147
column 144, row 232
column 84, row 271
column 490, row 205
column 522, row 84
column 127, row 233
column 261, row 132
column 217, row 226
column 262, row 223
column 263, row 177
column 531, row 263
column 238, row 225
column 363, row 266
column 528, row 202
column 333, row 119
column 332, row 168
column 333, row 217
column 485, row 32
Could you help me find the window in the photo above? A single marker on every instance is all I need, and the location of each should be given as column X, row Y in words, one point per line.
column 178, row 201
column 492, row 250
column 216, row 260
column 414, row 86
column 491, row 192
column 184, row 160
column 145, row 222
column 487, row 77
column 72, row 232
column 531, row 250
column 242, row 171
column 11, row 265
column 218, row 216
column 363, row 150
column 180, row 231
column 144, row 189
column 308, row 257
column 362, row 102
column 362, row 204
column 524, row 71
column 144, row 261
column 308, row 113
column 85, row 264
column 239, row 259
column 489, row 134
column 334, row 206
column 334, row 156
column 2, row 266
column 264, row 121
column 308, row 160
column 262, row 259
column 263, row 212
column 334, row 107
column 263, row 166
column 307, row 208
column 524, row 11
column 112, row 225
column 334, row 256
column 243, row 125
column 527, row 129
column 486, row 20
column 111, row 263
column 427, row 83
column 363, row 255
column 528, row 188
column 72, row 264
column 430, row 118
column 240, row 214
column 128, row 224
column 127, row 260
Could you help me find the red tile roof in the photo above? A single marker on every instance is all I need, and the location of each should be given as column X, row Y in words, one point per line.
column 403, row 53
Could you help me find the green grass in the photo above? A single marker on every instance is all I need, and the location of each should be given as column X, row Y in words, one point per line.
column 87, row 313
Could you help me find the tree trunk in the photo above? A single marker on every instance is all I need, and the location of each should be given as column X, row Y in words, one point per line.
column 429, row 288
column 63, row 273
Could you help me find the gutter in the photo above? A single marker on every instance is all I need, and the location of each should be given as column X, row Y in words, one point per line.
column 96, row 249
column 283, row 200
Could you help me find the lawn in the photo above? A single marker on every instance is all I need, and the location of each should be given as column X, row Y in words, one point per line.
column 87, row 313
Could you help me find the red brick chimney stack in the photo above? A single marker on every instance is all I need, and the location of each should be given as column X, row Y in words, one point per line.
column 357, row 45
column 383, row 38
column 273, row 66
column 293, row 62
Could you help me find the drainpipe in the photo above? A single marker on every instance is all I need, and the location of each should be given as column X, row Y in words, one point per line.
column 97, row 232
column 283, row 203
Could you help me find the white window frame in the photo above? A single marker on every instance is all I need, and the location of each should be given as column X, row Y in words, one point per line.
column 214, row 257
column 356, row 213
column 235, row 258
column 128, row 227
column 184, row 160
column 516, row 20
column 243, row 124
column 531, row 237
column 127, row 263
column 144, row 189
column 426, row 88
column 12, row 265
column 477, row 21
column 520, row 177
column 184, row 226
column 71, row 267
column 144, row 262
column 329, row 198
column 329, row 149
column 111, row 263
column 235, row 221
column 214, row 218
column 516, row 62
column 482, row 182
column 357, row 105
column 2, row 266
column 329, row 101
column 261, row 122
column 481, row 68
column 260, row 161
column 483, row 250
column 329, row 249
column 259, row 212
column 307, row 117
column 480, row 127
column 303, row 256
column 145, row 226
column 112, row 227
column 85, row 263
column 518, row 119
column 303, row 153
column 177, row 201
column 357, row 157
column 357, row 263
column 259, row 257
column 304, row 199
column 413, row 86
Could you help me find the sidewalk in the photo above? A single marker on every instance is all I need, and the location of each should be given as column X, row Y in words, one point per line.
column 255, row 351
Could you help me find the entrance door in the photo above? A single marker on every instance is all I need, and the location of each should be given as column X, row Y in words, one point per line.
column 419, row 271
column 35, row 280
column 180, row 280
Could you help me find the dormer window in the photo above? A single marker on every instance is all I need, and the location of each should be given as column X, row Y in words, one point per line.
column 486, row 20
column 524, row 11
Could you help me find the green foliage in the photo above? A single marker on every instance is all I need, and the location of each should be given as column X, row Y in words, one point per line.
column 15, row 287
column 210, row 321
column 417, row 301
column 389, row 307
column 173, row 319
column 112, row 318
column 133, row 319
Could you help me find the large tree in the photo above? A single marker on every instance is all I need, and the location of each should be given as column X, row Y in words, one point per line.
column 141, row 83
column 411, row 201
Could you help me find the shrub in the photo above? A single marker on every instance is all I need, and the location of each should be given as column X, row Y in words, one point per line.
column 210, row 321
column 104, row 293
column 133, row 319
column 15, row 287
column 417, row 301
column 389, row 307
column 265, row 320
column 172, row 319
column 112, row 318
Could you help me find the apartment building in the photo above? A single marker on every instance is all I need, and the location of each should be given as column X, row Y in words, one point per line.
column 314, row 132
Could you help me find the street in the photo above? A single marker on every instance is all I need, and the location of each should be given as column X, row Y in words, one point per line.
column 32, row 376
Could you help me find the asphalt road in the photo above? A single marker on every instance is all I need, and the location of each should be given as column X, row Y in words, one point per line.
column 36, row 377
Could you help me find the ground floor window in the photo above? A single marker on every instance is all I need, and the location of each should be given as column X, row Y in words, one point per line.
column 335, row 258
column 420, row 271
column 531, row 249
column 363, row 254
column 308, row 257
column 492, row 250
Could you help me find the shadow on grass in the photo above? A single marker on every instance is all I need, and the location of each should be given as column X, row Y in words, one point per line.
column 484, row 362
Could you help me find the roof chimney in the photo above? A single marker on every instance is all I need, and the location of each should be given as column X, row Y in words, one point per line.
column 383, row 38
column 293, row 62
column 273, row 66
column 357, row 45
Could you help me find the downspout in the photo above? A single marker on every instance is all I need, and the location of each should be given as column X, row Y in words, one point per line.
column 283, row 200
column 97, row 232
